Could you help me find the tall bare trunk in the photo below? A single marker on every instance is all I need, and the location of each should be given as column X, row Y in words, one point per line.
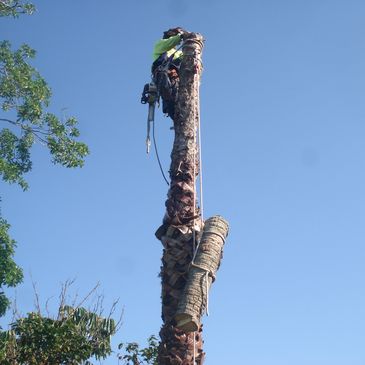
column 182, row 223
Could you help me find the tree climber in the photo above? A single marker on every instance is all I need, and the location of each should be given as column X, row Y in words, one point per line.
column 165, row 67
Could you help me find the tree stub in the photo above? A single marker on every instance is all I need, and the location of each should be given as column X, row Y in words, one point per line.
column 202, row 272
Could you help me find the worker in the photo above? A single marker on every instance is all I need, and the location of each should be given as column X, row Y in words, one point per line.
column 165, row 67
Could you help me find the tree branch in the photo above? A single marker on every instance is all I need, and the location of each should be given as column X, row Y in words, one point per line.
column 27, row 128
column 15, row 7
column 9, row 121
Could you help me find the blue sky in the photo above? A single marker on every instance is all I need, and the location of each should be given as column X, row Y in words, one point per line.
column 282, row 117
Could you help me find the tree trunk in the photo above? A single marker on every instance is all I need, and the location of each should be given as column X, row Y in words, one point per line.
column 182, row 224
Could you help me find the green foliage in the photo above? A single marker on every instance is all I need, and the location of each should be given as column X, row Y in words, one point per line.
column 134, row 355
column 10, row 273
column 15, row 156
column 76, row 336
column 15, row 8
column 25, row 95
column 25, row 120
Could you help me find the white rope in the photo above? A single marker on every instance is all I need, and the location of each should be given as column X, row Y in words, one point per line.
column 194, row 349
column 196, row 126
column 207, row 292
column 200, row 154
column 197, row 130
column 195, row 247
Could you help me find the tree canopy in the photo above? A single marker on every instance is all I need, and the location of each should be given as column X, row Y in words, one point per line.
column 24, row 120
column 24, row 98
column 74, row 337
column 77, row 334
column 15, row 7
column 10, row 273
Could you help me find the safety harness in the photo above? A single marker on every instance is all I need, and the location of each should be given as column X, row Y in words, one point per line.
column 160, row 86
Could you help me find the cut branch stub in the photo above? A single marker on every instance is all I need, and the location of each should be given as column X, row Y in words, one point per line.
column 201, row 275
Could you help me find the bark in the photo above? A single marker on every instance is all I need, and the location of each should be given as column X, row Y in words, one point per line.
column 181, row 207
column 182, row 219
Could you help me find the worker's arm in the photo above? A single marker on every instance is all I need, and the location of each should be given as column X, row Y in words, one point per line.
column 165, row 45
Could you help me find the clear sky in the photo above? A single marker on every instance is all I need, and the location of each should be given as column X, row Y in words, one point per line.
column 282, row 115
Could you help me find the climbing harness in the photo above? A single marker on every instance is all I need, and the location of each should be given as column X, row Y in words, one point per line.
column 151, row 95
column 165, row 72
column 165, row 60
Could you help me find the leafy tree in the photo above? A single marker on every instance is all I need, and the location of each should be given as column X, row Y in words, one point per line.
column 134, row 355
column 10, row 273
column 25, row 95
column 24, row 99
column 15, row 7
column 75, row 336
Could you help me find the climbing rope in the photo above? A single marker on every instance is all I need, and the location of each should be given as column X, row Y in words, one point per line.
column 157, row 155
column 194, row 173
column 200, row 149
column 197, row 131
column 194, row 348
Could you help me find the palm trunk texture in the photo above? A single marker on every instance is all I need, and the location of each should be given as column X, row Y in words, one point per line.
column 182, row 219
column 184, row 298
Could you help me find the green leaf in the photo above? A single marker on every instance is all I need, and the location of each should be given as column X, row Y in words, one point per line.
column 25, row 94
column 15, row 8
column 10, row 273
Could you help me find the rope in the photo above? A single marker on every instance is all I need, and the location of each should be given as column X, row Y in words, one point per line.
column 200, row 154
column 197, row 130
column 194, row 349
column 207, row 293
column 156, row 150
column 194, row 190
column 206, row 276
column 196, row 246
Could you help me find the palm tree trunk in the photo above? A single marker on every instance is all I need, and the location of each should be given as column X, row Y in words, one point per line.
column 182, row 223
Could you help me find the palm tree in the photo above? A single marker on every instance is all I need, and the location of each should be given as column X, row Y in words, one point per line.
column 182, row 222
